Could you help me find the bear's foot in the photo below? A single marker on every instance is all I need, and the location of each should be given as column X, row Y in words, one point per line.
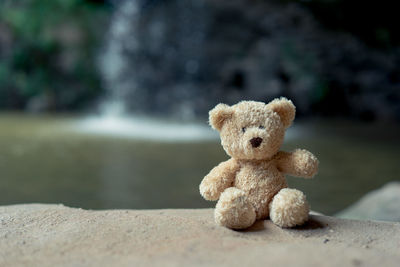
column 289, row 208
column 233, row 210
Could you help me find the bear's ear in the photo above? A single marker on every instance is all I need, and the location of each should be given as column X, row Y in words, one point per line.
column 218, row 115
column 285, row 109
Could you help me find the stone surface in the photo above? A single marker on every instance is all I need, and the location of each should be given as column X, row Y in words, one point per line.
column 382, row 204
column 55, row 235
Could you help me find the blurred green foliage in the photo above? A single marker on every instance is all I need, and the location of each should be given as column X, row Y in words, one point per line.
column 47, row 53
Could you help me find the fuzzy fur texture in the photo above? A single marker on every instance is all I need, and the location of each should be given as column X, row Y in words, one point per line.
column 251, row 185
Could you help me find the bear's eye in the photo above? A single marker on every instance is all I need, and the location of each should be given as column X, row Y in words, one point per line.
column 243, row 129
column 261, row 127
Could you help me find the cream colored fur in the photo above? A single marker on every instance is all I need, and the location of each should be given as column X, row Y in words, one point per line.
column 251, row 185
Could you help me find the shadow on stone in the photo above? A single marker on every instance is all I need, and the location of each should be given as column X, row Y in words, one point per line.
column 256, row 227
column 311, row 224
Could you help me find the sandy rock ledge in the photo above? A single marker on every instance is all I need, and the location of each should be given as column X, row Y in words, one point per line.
column 55, row 235
column 382, row 204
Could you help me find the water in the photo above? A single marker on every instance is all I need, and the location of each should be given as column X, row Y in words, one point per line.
column 146, row 129
column 78, row 162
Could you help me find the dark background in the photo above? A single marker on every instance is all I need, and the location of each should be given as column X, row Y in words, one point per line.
column 332, row 57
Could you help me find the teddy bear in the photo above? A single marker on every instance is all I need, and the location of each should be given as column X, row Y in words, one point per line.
column 251, row 185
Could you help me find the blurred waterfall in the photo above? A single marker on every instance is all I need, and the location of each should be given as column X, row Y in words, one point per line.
column 147, row 41
column 127, row 61
column 112, row 62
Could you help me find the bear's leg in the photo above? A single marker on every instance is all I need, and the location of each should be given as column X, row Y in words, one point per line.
column 233, row 209
column 289, row 208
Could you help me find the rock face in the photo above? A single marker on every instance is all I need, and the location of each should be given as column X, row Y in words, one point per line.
column 381, row 204
column 55, row 235
column 183, row 57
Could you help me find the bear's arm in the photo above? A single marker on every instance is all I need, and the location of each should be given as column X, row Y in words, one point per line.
column 219, row 178
column 300, row 162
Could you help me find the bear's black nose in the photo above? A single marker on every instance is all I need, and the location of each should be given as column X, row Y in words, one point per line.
column 256, row 141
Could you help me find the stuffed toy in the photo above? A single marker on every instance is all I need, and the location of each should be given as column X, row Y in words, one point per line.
column 251, row 185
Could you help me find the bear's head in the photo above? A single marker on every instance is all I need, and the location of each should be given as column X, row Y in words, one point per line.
column 252, row 130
